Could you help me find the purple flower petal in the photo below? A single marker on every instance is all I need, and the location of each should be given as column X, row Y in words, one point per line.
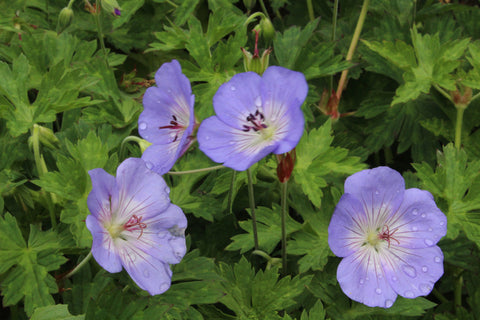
column 362, row 279
column 417, row 219
column 103, row 248
column 168, row 117
column 99, row 200
column 413, row 273
column 160, row 158
column 345, row 232
column 141, row 191
column 380, row 190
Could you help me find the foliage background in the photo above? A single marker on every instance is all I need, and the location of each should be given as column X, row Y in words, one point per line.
column 64, row 111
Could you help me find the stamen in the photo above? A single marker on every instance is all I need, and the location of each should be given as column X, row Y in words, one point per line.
column 257, row 122
column 135, row 223
column 387, row 236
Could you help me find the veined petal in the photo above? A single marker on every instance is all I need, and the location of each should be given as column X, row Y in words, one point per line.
column 418, row 223
column 380, row 190
column 141, row 191
column 347, row 229
column 413, row 272
column 100, row 200
column 234, row 148
column 236, row 99
column 362, row 279
column 149, row 273
column 103, row 248
column 170, row 78
column 289, row 130
column 160, row 158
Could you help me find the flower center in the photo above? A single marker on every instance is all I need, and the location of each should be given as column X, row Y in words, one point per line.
column 133, row 224
column 173, row 126
column 256, row 122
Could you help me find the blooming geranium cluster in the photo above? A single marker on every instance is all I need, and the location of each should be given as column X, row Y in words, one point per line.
column 387, row 237
column 134, row 225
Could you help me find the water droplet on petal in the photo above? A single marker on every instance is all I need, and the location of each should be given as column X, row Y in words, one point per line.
column 164, row 287
column 377, row 192
column 409, row 271
column 167, row 190
column 414, row 228
column 388, row 303
column 149, row 165
column 394, row 278
column 378, row 291
column 442, row 223
column 233, row 88
column 425, row 288
column 169, row 90
column 258, row 102
column 428, row 242
column 430, row 229
column 362, row 281
column 142, row 126
column 423, row 215
column 146, row 273
column 207, row 137
column 409, row 294
column 414, row 212
column 437, row 259
column 367, row 278
column 424, row 268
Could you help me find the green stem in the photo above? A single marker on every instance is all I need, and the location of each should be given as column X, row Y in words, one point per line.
column 284, row 226
column 443, row 92
column 334, row 33
column 230, row 193
column 172, row 3
column 458, row 128
column 195, row 170
column 70, row 3
column 440, row 296
column 458, row 292
column 264, row 9
column 79, row 266
column 100, row 32
column 252, row 207
column 475, row 97
column 252, row 17
column 353, row 46
column 310, row 10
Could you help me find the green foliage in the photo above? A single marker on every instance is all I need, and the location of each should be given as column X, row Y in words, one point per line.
column 56, row 312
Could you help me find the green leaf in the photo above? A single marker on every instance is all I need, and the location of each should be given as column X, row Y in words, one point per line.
column 316, row 160
column 55, row 312
column 268, row 229
column 25, row 266
column 315, row 313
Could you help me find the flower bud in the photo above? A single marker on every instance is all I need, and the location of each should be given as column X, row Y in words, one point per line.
column 111, row 6
column 286, row 163
column 254, row 62
column 47, row 137
column 144, row 144
column 64, row 19
column 268, row 31
column 249, row 4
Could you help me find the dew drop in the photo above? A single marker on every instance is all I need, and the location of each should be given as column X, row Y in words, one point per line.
column 378, row 291
column 423, row 215
column 425, row 288
column 172, row 135
column 142, row 126
column 377, row 192
column 146, row 273
column 366, row 279
column 164, row 287
column 437, row 259
column 233, row 88
column 149, row 165
column 414, row 228
column 424, row 268
column 362, row 281
column 394, row 278
column 258, row 102
column 409, row 271
column 442, row 223
column 167, row 190
column 388, row 303
column 409, row 294
column 414, row 212
column 430, row 229
column 428, row 242
column 207, row 137
column 162, row 234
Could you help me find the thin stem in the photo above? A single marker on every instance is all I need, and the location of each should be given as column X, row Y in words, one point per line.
column 253, row 16
column 79, row 266
column 252, row 207
column 458, row 292
column 458, row 128
column 475, row 97
column 264, row 9
column 440, row 296
column 284, row 226
column 353, row 46
column 443, row 92
column 100, row 32
column 195, row 170
column 230, row 193
column 172, row 3
column 334, row 33
column 70, row 3
column 310, row 10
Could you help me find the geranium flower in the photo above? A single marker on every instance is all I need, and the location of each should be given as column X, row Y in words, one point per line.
column 134, row 225
column 255, row 115
column 167, row 120
column 387, row 237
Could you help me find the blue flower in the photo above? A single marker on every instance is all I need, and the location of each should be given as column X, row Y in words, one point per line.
column 387, row 237
column 167, row 120
column 255, row 115
column 134, row 225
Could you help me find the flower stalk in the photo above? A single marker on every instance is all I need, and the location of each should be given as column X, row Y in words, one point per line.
column 79, row 266
column 196, row 170
column 284, row 227
column 251, row 199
